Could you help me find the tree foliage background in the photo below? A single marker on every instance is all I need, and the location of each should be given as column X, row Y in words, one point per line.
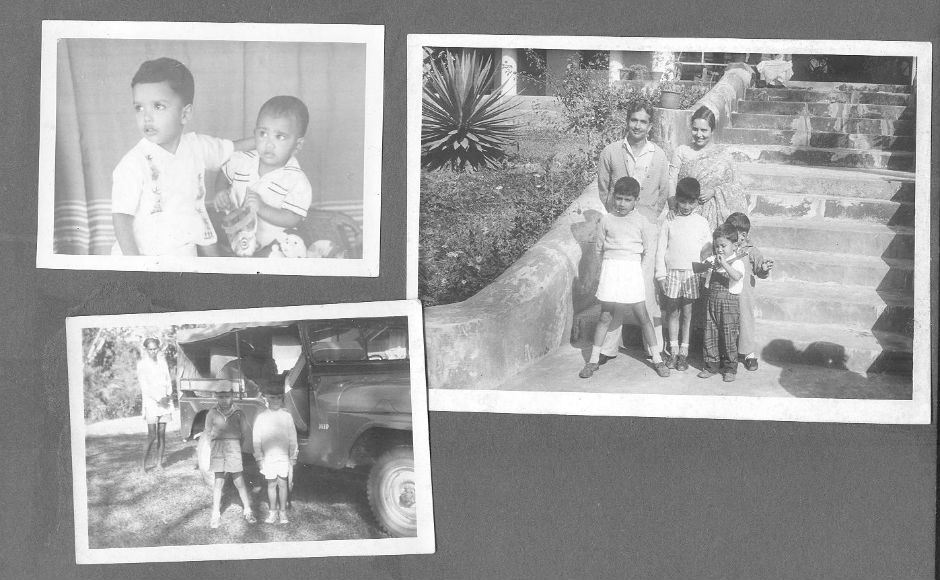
column 110, row 354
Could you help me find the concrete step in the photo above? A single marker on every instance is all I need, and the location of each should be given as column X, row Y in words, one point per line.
column 827, row 109
column 798, row 122
column 809, row 206
column 834, row 346
column 821, row 303
column 894, row 275
column 835, row 236
column 834, row 96
column 841, row 86
column 863, row 158
column 830, row 181
column 819, row 139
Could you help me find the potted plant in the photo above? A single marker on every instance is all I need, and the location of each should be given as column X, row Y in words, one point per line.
column 669, row 88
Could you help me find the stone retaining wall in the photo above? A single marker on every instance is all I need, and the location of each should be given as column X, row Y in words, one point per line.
column 530, row 309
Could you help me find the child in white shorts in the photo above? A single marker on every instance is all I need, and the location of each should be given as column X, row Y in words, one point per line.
column 623, row 238
column 275, row 445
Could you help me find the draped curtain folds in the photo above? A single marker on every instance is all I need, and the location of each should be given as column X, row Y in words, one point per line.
column 95, row 120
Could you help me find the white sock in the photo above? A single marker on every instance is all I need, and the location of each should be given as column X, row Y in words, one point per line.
column 656, row 357
column 684, row 349
column 750, row 355
column 595, row 354
column 673, row 346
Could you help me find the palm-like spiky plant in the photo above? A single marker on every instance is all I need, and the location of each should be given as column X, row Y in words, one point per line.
column 462, row 124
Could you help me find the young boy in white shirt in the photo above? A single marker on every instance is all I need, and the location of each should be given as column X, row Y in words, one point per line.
column 682, row 241
column 158, row 193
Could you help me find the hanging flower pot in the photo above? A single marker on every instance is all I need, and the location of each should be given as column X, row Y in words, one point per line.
column 669, row 99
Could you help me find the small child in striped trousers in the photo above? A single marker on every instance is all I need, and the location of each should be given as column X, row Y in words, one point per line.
column 722, row 308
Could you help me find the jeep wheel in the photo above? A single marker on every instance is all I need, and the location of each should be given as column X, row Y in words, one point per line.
column 391, row 490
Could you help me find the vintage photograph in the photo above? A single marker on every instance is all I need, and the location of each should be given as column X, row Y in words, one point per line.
column 714, row 228
column 261, row 433
column 201, row 147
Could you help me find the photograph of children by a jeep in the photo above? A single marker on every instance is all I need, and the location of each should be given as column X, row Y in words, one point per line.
column 811, row 155
column 343, row 385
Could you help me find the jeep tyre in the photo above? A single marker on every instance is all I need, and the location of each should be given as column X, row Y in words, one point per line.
column 391, row 490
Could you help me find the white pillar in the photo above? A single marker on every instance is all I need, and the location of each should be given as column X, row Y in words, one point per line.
column 508, row 69
column 616, row 59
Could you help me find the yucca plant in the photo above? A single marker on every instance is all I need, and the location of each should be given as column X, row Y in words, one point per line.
column 461, row 123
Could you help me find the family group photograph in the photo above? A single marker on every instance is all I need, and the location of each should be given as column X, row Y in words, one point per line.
column 642, row 218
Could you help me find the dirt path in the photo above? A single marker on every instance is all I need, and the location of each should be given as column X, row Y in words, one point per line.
column 130, row 508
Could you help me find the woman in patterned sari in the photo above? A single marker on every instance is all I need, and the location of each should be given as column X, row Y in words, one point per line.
column 713, row 167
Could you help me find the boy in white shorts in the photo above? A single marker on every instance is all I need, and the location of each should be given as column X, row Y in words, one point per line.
column 275, row 446
column 622, row 238
column 158, row 194
column 268, row 180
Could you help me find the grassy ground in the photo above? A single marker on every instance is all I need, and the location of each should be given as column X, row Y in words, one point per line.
column 130, row 508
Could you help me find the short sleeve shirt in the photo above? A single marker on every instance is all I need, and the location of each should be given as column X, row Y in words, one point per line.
column 283, row 188
column 165, row 193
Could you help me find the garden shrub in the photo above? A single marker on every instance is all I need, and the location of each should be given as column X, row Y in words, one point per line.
column 475, row 225
column 464, row 122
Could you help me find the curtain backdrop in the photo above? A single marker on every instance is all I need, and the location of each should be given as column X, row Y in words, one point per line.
column 95, row 119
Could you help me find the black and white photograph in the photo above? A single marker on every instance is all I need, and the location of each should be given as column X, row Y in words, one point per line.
column 244, row 434
column 205, row 147
column 673, row 227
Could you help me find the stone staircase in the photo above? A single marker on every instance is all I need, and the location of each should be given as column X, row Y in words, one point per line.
column 829, row 169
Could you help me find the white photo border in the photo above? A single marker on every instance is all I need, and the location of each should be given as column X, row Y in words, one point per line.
column 917, row 410
column 372, row 36
column 423, row 543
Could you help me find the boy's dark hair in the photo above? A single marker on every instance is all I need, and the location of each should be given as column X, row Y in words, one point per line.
column 627, row 186
column 173, row 72
column 287, row 106
column 739, row 221
column 688, row 189
column 725, row 231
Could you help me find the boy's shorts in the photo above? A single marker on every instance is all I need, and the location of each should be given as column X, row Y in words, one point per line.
column 274, row 468
column 681, row 284
column 226, row 456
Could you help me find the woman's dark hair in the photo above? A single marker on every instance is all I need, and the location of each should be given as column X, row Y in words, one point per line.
column 704, row 113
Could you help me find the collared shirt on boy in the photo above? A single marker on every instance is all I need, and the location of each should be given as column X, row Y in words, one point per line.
column 165, row 193
column 649, row 167
column 282, row 188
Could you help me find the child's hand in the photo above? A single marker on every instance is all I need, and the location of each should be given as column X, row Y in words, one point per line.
column 670, row 215
column 223, row 202
column 661, row 284
column 767, row 265
column 706, row 195
column 253, row 200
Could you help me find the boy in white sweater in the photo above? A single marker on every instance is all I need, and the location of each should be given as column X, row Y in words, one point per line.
column 275, row 445
column 682, row 242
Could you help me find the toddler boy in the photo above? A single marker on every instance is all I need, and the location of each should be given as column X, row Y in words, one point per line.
column 269, row 180
column 754, row 265
column 158, row 193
